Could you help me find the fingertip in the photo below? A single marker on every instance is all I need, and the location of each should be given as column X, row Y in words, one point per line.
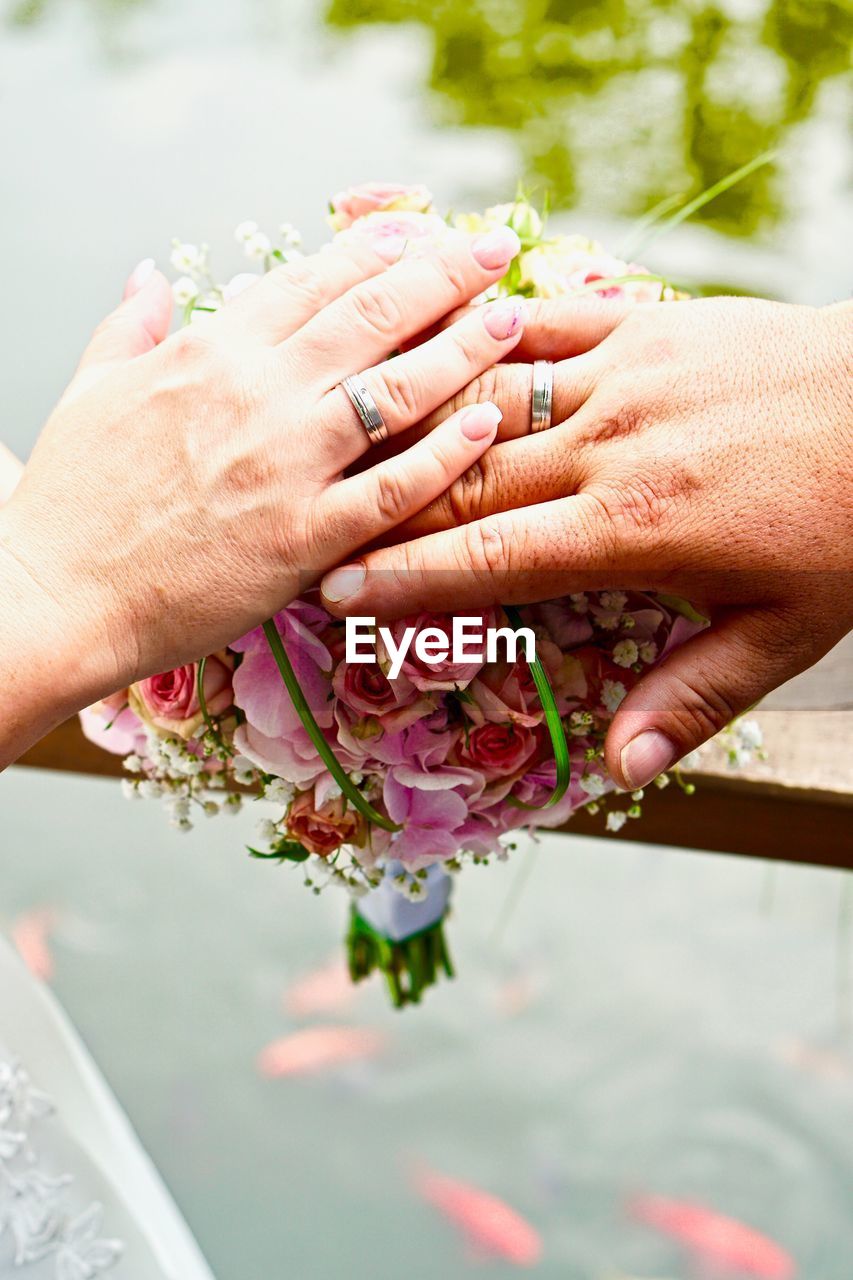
column 139, row 277
column 479, row 422
column 342, row 585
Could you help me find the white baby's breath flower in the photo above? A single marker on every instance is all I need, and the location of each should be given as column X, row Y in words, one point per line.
column 579, row 600
column 257, row 246
column 188, row 258
column 232, row 805
column 625, row 653
column 244, row 232
column 130, row 790
column 291, row 238
column 211, row 808
column 267, row 830
column 750, row 734
column 178, row 808
column 133, row 763
column 648, row 651
column 613, row 600
column 244, row 770
column 612, row 694
column 691, row 760
column 616, row 820
column 608, row 621
column 592, row 784
column 279, row 792
column 184, row 291
column 150, row 790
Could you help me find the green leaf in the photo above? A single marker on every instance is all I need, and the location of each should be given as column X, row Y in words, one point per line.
column 315, row 733
column 677, row 605
column 284, row 851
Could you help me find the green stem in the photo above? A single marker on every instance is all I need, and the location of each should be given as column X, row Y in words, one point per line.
column 706, row 196
column 315, row 733
column 202, row 700
column 554, row 722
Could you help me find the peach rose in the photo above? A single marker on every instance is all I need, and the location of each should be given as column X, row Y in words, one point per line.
column 169, row 701
column 325, row 828
column 377, row 197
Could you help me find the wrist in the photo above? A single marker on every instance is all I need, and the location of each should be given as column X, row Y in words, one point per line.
column 53, row 661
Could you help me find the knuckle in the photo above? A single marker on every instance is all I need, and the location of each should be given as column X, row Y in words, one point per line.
column 391, row 495
column 399, row 389
column 189, row 346
column 467, row 495
column 486, row 386
column 378, row 307
column 700, row 707
column 300, row 280
column 620, row 420
column 468, row 343
column 488, row 549
column 452, row 273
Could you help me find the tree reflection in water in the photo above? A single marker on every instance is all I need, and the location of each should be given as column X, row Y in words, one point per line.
column 618, row 103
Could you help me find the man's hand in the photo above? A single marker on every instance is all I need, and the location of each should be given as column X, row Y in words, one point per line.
column 703, row 449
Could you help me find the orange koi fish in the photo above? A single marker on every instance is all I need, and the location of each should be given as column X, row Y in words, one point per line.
column 717, row 1239
column 490, row 1226
column 313, row 1049
column 31, row 935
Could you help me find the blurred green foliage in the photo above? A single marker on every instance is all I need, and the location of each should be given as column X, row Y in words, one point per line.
column 618, row 103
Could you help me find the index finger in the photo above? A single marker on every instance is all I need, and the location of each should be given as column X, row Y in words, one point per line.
column 536, row 553
column 557, row 328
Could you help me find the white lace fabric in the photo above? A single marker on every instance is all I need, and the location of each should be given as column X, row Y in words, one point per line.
column 79, row 1198
column 37, row 1216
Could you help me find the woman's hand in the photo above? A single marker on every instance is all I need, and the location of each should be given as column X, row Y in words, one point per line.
column 186, row 489
column 703, row 449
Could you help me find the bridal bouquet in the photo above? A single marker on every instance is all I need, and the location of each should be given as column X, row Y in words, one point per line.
column 389, row 771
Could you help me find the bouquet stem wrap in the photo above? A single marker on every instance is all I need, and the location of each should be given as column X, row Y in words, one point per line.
column 402, row 939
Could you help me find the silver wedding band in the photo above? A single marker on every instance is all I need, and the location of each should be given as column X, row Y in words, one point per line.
column 365, row 406
column 542, row 402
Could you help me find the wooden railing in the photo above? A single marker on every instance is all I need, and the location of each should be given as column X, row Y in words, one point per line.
column 796, row 807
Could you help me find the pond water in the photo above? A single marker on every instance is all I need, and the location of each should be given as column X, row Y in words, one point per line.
column 645, row 1020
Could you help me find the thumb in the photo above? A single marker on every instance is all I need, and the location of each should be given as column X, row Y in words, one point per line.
column 697, row 691
column 140, row 323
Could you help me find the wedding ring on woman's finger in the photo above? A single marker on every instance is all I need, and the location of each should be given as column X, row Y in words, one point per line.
column 366, row 408
column 542, row 401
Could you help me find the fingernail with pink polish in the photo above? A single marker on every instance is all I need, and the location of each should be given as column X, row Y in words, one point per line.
column 480, row 420
column 139, row 276
column 342, row 583
column 496, row 248
column 645, row 756
column 503, row 319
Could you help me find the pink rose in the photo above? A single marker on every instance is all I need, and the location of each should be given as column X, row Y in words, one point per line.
column 323, row 828
column 112, row 725
column 497, row 750
column 169, row 701
column 393, row 234
column 444, row 674
column 364, row 688
column 377, row 197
